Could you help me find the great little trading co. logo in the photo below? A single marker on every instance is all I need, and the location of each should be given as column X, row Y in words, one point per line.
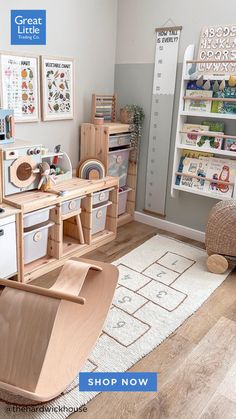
column 28, row 27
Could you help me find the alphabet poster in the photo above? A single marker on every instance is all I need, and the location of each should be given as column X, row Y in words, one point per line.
column 167, row 43
column 216, row 48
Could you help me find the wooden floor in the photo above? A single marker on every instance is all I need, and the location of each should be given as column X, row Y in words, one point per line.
column 197, row 363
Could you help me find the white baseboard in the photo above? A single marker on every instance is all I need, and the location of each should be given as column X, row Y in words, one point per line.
column 169, row 226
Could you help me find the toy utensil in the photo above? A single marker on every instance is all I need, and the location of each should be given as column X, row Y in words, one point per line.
column 57, row 149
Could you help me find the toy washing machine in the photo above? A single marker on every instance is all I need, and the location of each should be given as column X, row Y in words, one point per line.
column 20, row 163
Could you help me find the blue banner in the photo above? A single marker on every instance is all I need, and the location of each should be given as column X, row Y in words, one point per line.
column 118, row 381
column 28, row 27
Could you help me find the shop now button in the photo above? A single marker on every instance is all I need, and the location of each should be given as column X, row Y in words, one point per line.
column 118, row 381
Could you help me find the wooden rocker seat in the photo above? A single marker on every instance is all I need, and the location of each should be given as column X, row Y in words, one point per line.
column 46, row 335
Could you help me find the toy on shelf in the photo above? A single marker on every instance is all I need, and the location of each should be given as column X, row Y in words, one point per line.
column 56, row 330
column 7, row 126
column 91, row 169
column 103, row 108
column 47, row 177
column 59, row 163
column 221, row 236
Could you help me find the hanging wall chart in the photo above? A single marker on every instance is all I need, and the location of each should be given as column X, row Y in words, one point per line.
column 167, row 43
column 58, row 84
column 20, row 85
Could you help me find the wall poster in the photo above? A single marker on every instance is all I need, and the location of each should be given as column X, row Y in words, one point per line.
column 20, row 88
column 58, row 88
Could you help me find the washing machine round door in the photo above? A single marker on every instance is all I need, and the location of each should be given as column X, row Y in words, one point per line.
column 22, row 172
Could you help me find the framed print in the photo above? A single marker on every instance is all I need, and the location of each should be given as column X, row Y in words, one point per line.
column 57, row 88
column 19, row 79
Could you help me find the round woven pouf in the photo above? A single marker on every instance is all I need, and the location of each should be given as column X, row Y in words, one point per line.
column 221, row 229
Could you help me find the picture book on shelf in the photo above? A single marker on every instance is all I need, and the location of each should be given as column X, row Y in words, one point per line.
column 230, row 144
column 190, row 137
column 206, row 142
column 189, row 154
column 214, row 125
column 220, row 170
column 199, row 105
column 197, row 168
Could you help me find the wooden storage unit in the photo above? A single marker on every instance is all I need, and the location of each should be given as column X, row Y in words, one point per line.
column 64, row 240
column 94, row 143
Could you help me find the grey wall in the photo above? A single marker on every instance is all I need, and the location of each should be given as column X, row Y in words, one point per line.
column 85, row 30
column 135, row 52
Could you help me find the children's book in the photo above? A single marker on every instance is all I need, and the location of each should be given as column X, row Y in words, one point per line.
column 191, row 136
column 197, row 168
column 214, row 125
column 206, row 142
column 199, row 105
column 189, row 154
column 220, row 170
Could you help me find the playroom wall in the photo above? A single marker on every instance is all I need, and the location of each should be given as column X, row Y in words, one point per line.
column 137, row 20
column 86, row 30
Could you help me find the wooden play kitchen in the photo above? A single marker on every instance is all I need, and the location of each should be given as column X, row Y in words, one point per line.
column 40, row 230
column 52, row 228
column 46, row 215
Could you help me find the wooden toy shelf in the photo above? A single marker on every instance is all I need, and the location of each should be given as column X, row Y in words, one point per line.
column 185, row 116
column 94, row 143
column 71, row 232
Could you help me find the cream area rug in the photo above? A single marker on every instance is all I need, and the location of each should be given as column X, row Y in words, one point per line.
column 161, row 284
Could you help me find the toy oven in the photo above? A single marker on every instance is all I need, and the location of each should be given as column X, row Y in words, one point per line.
column 21, row 169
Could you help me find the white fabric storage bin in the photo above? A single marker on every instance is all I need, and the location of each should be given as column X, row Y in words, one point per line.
column 122, row 199
column 36, row 243
column 71, row 205
column 37, row 217
column 99, row 214
column 101, row 196
column 118, row 161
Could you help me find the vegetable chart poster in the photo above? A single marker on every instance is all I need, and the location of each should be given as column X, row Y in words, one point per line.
column 20, row 86
column 57, row 80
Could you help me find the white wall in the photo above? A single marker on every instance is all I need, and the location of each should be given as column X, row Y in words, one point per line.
column 85, row 30
column 137, row 20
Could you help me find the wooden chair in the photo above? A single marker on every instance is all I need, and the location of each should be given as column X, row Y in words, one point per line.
column 46, row 335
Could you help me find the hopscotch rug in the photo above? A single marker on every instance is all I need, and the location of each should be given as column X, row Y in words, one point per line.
column 161, row 283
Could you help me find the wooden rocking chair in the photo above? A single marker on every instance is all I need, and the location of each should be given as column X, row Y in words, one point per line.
column 46, row 335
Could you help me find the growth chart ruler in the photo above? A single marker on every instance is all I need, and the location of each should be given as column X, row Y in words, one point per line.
column 167, row 43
